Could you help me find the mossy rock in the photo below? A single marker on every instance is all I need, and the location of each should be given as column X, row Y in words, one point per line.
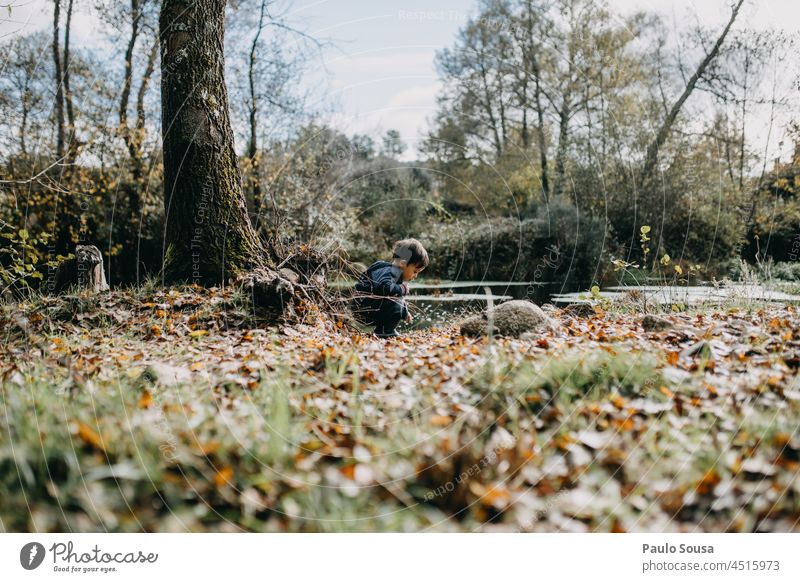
column 579, row 310
column 512, row 318
column 656, row 323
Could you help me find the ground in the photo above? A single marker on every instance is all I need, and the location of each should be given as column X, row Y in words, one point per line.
column 180, row 410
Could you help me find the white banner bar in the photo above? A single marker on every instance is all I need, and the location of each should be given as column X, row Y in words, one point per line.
column 400, row 557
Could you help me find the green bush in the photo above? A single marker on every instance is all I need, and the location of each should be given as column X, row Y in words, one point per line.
column 786, row 271
column 560, row 244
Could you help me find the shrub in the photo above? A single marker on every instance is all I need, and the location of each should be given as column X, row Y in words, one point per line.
column 786, row 271
column 559, row 244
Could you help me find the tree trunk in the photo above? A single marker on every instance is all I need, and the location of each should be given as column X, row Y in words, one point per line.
column 209, row 238
column 145, row 82
column 59, row 105
column 487, row 103
column 563, row 136
column 72, row 145
column 252, row 146
column 23, row 126
column 132, row 137
column 744, row 121
column 651, row 158
column 541, row 137
column 532, row 69
column 128, row 78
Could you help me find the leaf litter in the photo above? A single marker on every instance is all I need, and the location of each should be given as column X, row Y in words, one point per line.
column 181, row 410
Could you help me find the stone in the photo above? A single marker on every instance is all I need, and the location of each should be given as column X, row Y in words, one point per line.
column 656, row 323
column 512, row 318
column 580, row 310
column 166, row 375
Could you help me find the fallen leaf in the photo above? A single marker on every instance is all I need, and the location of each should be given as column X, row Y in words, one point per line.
column 223, row 477
column 90, row 437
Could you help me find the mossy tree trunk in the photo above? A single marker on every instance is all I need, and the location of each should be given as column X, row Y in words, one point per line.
column 209, row 239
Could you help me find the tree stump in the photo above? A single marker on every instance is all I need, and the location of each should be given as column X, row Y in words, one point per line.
column 84, row 272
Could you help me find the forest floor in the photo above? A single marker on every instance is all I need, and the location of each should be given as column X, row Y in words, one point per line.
column 178, row 410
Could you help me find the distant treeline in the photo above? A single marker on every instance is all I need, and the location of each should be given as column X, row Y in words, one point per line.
column 562, row 129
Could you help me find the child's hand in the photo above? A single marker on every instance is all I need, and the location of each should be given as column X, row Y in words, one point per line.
column 404, row 287
column 409, row 317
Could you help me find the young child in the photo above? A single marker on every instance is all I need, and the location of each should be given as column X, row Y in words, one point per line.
column 381, row 288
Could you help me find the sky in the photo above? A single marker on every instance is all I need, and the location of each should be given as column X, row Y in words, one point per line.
column 383, row 71
column 379, row 70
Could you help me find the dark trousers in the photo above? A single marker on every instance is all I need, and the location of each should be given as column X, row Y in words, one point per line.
column 384, row 314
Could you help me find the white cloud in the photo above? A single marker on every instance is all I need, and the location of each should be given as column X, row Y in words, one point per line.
column 407, row 111
column 399, row 61
column 31, row 15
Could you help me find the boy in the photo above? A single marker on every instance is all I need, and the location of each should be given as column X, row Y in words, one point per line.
column 381, row 288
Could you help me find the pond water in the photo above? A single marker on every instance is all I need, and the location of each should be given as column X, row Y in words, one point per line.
column 435, row 303
column 688, row 295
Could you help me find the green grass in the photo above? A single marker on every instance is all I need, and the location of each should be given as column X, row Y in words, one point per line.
column 316, row 430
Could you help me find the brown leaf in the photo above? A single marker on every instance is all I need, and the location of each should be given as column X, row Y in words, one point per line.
column 90, row 437
column 439, row 420
column 146, row 400
column 223, row 477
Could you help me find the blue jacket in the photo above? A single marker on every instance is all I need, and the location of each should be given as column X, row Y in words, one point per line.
column 383, row 279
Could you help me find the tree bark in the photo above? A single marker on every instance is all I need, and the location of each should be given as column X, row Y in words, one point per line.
column 651, row 157
column 209, row 238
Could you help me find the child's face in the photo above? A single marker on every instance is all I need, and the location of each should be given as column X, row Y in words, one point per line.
column 410, row 272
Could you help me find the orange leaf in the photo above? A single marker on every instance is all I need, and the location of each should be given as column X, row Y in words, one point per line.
column 497, row 496
column 89, row 436
column 223, row 477
column 349, row 471
column 208, row 448
column 710, row 480
column 439, row 420
column 146, row 400
column 782, row 439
